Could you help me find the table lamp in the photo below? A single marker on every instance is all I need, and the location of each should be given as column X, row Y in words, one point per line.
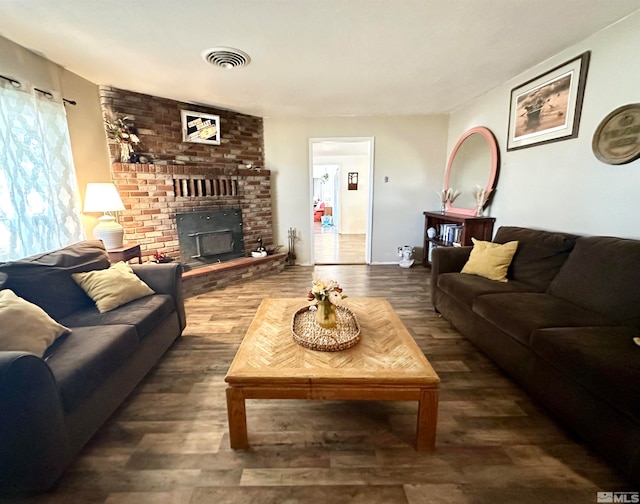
column 104, row 197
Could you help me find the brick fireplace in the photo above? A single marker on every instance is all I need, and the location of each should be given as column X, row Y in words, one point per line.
column 151, row 204
column 190, row 177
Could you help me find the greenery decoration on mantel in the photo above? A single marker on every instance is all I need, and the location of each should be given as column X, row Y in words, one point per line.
column 122, row 130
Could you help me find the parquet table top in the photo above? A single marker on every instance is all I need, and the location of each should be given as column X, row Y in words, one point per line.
column 386, row 354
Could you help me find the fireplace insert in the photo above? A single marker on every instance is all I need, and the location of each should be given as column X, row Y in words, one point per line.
column 209, row 237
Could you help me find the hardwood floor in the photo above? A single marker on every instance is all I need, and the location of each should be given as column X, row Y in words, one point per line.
column 329, row 247
column 169, row 441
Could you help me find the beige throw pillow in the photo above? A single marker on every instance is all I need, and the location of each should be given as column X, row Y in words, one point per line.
column 490, row 260
column 26, row 327
column 112, row 287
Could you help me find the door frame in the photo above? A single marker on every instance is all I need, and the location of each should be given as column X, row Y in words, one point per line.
column 369, row 210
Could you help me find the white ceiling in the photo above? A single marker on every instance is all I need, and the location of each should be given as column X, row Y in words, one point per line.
column 309, row 57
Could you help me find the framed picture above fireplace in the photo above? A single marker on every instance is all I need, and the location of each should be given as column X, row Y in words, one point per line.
column 198, row 127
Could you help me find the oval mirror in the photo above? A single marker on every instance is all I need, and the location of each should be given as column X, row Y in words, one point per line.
column 473, row 163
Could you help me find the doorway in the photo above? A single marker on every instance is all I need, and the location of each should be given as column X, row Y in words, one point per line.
column 341, row 172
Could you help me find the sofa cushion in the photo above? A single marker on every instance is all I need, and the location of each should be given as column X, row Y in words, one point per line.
column 87, row 357
column 45, row 279
column 465, row 288
column 518, row 314
column 602, row 274
column 540, row 254
column 490, row 260
column 604, row 360
column 112, row 287
column 144, row 313
column 26, row 327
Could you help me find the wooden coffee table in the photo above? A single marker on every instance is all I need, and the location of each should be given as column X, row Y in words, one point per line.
column 386, row 365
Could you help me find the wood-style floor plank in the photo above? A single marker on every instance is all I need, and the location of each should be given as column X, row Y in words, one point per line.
column 331, row 247
column 169, row 441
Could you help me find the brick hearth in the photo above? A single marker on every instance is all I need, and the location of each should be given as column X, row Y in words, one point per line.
column 214, row 276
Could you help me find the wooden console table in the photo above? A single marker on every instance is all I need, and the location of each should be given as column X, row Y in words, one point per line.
column 480, row 228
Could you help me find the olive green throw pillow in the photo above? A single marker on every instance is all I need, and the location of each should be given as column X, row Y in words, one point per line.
column 112, row 287
column 25, row 327
column 490, row 260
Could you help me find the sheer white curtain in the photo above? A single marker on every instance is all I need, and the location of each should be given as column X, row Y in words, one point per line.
column 39, row 204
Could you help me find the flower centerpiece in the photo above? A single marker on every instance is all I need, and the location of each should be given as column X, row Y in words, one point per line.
column 122, row 130
column 327, row 294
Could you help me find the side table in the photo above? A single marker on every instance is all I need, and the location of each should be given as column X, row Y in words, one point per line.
column 125, row 253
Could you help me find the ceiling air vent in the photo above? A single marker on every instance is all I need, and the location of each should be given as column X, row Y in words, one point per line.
column 226, row 57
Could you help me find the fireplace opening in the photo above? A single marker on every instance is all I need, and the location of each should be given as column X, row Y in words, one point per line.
column 209, row 237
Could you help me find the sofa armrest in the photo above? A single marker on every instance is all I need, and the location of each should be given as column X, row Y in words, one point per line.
column 446, row 260
column 449, row 259
column 164, row 278
column 33, row 436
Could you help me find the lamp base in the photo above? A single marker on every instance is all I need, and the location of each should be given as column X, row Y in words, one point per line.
column 109, row 231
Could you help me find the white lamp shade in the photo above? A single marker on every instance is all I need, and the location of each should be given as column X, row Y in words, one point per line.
column 102, row 197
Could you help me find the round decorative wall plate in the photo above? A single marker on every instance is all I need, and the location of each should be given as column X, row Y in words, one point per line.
column 617, row 139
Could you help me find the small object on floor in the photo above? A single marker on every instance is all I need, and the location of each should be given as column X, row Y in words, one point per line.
column 406, row 253
column 291, row 255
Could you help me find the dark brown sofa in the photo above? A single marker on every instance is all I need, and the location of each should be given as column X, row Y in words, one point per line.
column 562, row 327
column 51, row 405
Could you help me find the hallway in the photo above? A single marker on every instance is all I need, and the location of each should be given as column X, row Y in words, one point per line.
column 333, row 248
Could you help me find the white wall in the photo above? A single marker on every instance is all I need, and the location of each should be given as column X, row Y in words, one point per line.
column 409, row 150
column 561, row 185
column 353, row 204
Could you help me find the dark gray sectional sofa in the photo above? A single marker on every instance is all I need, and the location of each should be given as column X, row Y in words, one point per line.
column 51, row 405
column 562, row 326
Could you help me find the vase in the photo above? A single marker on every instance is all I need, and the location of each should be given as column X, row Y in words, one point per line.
column 326, row 314
column 125, row 152
column 479, row 210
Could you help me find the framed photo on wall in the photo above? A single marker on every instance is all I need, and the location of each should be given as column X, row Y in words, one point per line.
column 352, row 181
column 548, row 107
column 198, row 127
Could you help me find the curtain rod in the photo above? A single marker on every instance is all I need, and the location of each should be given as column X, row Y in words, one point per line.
column 48, row 94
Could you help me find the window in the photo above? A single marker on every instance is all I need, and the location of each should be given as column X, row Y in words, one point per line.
column 39, row 203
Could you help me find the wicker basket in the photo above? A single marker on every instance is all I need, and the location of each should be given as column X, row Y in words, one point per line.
column 309, row 334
